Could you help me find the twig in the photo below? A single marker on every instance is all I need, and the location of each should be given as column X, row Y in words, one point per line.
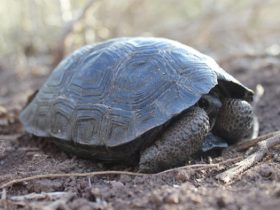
column 228, row 175
column 9, row 137
column 197, row 166
column 39, row 196
column 10, row 183
column 245, row 144
column 200, row 166
column 230, row 160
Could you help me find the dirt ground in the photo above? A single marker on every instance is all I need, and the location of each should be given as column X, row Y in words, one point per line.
column 22, row 155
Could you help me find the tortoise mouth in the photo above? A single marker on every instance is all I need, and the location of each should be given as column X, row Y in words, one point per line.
column 211, row 104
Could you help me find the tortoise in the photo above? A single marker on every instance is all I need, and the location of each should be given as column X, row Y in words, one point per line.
column 151, row 101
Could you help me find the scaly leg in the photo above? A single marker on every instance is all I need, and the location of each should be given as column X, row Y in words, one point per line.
column 181, row 139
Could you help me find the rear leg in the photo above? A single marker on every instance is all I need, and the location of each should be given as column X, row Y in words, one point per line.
column 180, row 140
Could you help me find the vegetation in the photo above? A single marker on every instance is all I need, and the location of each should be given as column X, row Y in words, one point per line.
column 29, row 27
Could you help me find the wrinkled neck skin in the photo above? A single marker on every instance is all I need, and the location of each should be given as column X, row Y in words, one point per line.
column 211, row 103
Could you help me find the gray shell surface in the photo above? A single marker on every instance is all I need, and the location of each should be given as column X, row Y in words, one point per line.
column 111, row 93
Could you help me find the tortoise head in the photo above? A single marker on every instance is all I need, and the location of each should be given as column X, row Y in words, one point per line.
column 211, row 104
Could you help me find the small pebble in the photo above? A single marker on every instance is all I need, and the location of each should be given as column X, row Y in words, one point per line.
column 221, row 203
column 116, row 184
column 156, row 199
column 3, row 111
column 172, row 198
column 266, row 171
column 182, row 176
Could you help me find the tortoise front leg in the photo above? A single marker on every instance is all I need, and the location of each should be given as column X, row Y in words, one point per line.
column 235, row 120
column 181, row 139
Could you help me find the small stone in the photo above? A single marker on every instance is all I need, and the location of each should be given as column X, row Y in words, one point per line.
column 221, row 203
column 156, row 199
column 172, row 198
column 182, row 176
column 169, row 207
column 116, row 184
column 199, row 180
column 266, row 171
column 80, row 203
column 86, row 207
column 276, row 157
column 125, row 178
column 3, row 111
column 195, row 199
column 95, row 192
column 277, row 193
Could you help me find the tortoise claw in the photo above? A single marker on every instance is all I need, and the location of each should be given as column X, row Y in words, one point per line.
column 213, row 142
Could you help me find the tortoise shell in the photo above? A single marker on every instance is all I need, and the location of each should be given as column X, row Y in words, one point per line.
column 112, row 93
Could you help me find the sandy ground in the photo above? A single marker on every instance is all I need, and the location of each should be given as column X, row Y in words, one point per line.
column 22, row 155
